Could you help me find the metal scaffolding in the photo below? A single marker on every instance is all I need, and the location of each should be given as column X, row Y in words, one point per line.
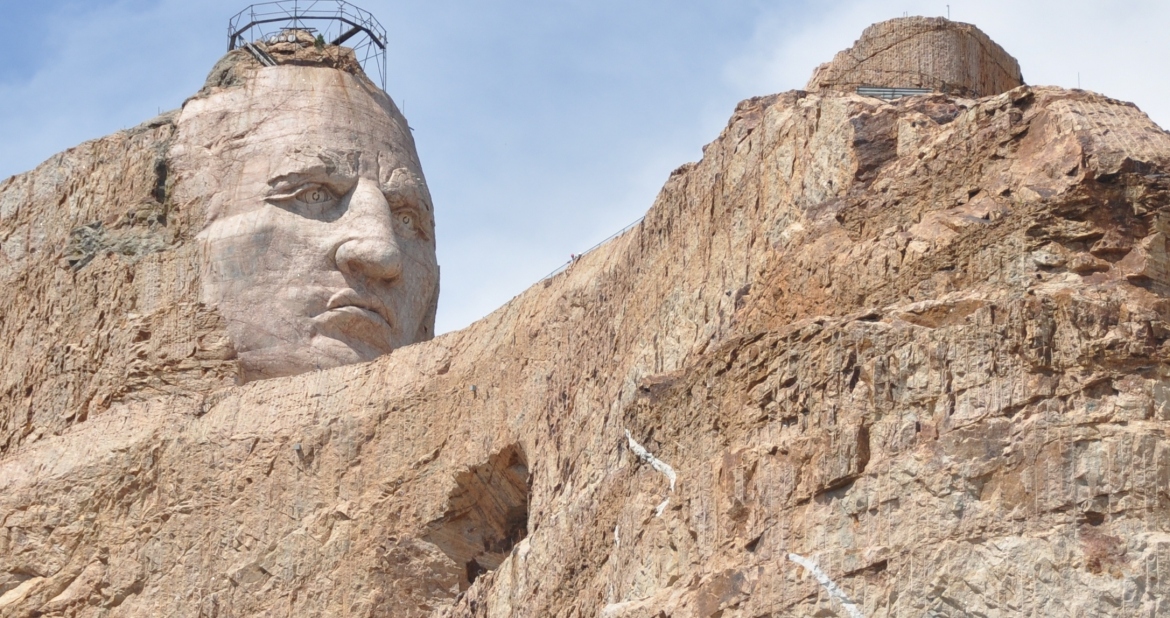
column 890, row 94
column 337, row 21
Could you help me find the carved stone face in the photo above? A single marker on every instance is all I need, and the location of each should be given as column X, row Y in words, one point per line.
column 319, row 243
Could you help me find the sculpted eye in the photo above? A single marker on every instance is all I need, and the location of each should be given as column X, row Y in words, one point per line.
column 314, row 195
column 412, row 223
column 312, row 200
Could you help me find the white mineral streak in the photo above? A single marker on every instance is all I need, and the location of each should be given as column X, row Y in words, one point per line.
column 656, row 463
column 826, row 583
column 661, row 507
column 615, row 609
column 617, row 539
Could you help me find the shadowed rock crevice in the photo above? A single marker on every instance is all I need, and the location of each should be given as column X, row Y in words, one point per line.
column 486, row 515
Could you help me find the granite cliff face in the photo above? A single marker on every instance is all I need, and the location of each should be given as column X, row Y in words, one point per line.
column 100, row 281
column 921, row 52
column 873, row 359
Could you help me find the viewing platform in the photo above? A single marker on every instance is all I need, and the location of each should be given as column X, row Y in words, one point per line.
column 326, row 22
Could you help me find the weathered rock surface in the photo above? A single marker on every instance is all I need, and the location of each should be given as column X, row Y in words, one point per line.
column 921, row 52
column 318, row 240
column 100, row 281
column 163, row 261
column 901, row 359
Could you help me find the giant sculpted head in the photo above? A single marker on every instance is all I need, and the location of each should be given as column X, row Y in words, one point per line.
column 318, row 244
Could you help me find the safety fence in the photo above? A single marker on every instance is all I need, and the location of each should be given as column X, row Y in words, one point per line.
column 563, row 267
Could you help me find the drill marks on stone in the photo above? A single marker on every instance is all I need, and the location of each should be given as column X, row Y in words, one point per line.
column 1115, row 131
column 1115, row 135
column 833, row 589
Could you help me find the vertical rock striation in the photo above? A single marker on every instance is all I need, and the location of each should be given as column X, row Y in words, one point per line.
column 921, row 52
column 100, row 288
column 902, row 358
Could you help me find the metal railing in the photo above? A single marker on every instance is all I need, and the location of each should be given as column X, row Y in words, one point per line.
column 563, row 267
column 890, row 94
column 338, row 22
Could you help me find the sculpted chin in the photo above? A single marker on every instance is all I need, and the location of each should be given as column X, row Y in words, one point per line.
column 318, row 241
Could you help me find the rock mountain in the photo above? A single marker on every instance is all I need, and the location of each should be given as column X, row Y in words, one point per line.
column 865, row 358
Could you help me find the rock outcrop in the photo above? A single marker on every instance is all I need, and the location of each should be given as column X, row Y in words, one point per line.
column 921, row 52
column 100, row 280
column 104, row 259
column 873, row 359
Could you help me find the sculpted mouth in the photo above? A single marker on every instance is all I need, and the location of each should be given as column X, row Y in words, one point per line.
column 352, row 316
column 360, row 312
column 349, row 298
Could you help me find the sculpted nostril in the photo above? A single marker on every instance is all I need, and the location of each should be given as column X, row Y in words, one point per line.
column 371, row 249
column 372, row 258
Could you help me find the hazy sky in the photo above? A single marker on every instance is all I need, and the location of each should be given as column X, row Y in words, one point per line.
column 543, row 126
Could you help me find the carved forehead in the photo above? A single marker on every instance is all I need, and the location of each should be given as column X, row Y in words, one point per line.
column 316, row 110
column 284, row 120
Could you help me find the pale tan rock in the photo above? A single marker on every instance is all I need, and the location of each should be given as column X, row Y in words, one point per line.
column 319, row 241
column 161, row 260
column 962, row 429
column 101, row 288
column 921, row 52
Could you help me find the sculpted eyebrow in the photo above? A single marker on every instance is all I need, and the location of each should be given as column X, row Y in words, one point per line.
column 338, row 180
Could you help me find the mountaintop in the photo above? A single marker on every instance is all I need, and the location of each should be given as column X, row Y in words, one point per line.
column 864, row 358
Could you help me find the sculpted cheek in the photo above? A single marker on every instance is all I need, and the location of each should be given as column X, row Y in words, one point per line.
column 327, row 256
column 237, row 254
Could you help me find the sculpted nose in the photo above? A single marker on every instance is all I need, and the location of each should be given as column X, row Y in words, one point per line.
column 369, row 248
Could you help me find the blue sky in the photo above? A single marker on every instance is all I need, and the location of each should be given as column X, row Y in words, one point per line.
column 543, row 126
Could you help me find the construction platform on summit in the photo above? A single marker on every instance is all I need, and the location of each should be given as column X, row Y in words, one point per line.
column 335, row 22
